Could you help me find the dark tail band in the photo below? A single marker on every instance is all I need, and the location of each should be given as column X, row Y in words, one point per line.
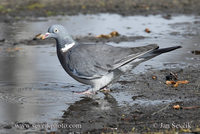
column 158, row 51
column 164, row 50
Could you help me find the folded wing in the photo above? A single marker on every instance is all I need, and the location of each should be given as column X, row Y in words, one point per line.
column 94, row 61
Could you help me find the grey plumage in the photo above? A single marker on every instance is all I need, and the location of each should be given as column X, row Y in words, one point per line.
column 98, row 64
column 92, row 61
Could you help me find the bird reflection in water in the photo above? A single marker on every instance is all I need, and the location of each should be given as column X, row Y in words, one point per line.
column 91, row 114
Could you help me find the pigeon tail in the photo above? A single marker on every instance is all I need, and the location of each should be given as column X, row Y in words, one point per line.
column 164, row 50
column 158, row 51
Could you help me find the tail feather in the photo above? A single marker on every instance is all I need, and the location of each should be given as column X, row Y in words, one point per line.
column 145, row 57
column 158, row 51
column 164, row 50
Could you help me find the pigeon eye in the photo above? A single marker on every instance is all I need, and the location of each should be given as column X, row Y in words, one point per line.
column 55, row 30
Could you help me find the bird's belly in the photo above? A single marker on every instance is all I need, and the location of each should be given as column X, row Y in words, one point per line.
column 103, row 81
column 97, row 83
column 64, row 64
column 84, row 81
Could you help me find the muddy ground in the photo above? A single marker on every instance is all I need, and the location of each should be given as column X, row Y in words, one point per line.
column 137, row 102
column 12, row 9
column 105, row 115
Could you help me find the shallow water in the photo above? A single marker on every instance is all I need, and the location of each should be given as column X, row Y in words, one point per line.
column 82, row 25
column 35, row 88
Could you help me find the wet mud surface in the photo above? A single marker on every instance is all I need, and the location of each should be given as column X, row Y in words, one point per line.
column 36, row 95
column 16, row 10
column 150, row 109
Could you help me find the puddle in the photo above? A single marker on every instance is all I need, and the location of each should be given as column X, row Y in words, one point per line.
column 35, row 88
column 82, row 25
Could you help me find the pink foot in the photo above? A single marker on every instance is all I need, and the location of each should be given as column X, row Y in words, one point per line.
column 105, row 90
column 87, row 92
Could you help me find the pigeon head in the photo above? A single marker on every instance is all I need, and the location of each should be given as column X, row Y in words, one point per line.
column 60, row 34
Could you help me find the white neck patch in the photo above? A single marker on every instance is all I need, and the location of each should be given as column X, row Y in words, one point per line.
column 67, row 47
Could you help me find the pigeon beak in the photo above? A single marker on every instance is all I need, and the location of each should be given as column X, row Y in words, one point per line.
column 44, row 36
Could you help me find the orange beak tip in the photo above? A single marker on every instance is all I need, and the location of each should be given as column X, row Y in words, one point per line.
column 43, row 36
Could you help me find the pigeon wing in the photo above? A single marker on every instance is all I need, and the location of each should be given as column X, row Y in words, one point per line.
column 94, row 61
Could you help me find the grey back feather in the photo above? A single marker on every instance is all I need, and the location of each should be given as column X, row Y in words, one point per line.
column 93, row 61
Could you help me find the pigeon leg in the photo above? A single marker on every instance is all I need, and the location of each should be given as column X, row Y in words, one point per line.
column 105, row 90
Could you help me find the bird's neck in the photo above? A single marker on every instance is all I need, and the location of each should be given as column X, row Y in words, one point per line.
column 65, row 44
